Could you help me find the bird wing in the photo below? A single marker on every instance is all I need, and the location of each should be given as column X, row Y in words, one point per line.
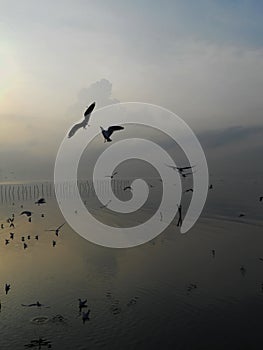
column 89, row 111
column 75, row 128
column 113, row 128
column 61, row 226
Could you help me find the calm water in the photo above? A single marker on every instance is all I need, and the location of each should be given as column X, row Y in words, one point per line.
column 139, row 297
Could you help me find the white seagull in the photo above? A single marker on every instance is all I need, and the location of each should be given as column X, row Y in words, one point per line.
column 107, row 133
column 84, row 123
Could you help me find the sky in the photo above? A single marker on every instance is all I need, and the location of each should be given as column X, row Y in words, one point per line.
column 201, row 59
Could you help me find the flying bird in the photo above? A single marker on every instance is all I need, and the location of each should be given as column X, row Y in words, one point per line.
column 261, row 198
column 112, row 176
column 82, row 304
column 180, row 169
column 56, row 230
column 189, row 190
column 84, row 123
column 7, row 288
column 40, row 201
column 26, row 212
column 107, row 133
column 127, row 188
column 85, row 316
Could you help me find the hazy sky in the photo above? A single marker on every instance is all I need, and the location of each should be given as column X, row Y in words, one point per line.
column 201, row 59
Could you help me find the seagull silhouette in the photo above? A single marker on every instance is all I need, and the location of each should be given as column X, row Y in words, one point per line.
column 7, row 288
column 112, row 176
column 56, row 230
column 189, row 190
column 127, row 188
column 107, row 133
column 40, row 201
column 261, row 198
column 26, row 212
column 180, row 169
column 82, row 304
column 85, row 316
column 84, row 123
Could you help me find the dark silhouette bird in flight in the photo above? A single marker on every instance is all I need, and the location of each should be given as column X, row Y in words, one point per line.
column 22, row 238
column 189, row 190
column 27, row 213
column 127, row 188
column 56, row 230
column 42, row 215
column 38, row 304
column 54, row 243
column 7, row 288
column 241, row 215
column 180, row 169
column 261, row 198
column 2, row 226
column 213, row 253
column 186, row 174
column 85, row 121
column 28, row 237
column 25, row 245
column 36, row 237
column 112, row 176
column 85, row 316
column 82, row 304
column 107, row 133
column 40, row 201
column 6, row 241
column 12, row 235
column 210, row 187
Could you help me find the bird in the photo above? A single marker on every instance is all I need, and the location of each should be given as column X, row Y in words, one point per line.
column 40, row 201
column 260, row 198
column 107, row 133
column 22, row 238
column 210, row 187
column 85, row 316
column 112, row 176
column 26, row 212
column 127, row 188
column 54, row 243
column 57, row 229
column 180, row 169
column 7, row 288
column 241, row 215
column 12, row 235
column 36, row 237
column 213, row 253
column 25, row 245
column 186, row 174
column 82, row 304
column 84, row 122
column 28, row 237
column 2, row 226
column 38, row 304
column 189, row 190
column 6, row 241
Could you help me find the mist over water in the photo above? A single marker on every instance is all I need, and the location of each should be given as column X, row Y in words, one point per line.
column 154, row 295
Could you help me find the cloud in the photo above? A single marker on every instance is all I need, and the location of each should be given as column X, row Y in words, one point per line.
column 100, row 92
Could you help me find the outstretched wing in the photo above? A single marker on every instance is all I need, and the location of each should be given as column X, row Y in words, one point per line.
column 74, row 129
column 113, row 128
column 60, row 226
column 89, row 111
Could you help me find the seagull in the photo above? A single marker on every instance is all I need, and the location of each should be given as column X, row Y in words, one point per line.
column 107, row 133
column 12, row 235
column 34, row 304
column 213, row 253
column 2, row 226
column 6, row 241
column 25, row 245
column 7, row 288
column 241, row 215
column 40, row 201
column 84, row 123
column 36, row 237
column 22, row 238
column 85, row 316
column 112, row 176
column 210, row 187
column 261, row 198
column 82, row 304
column 127, row 188
column 26, row 212
column 185, row 174
column 54, row 243
column 189, row 190
column 28, row 237
column 180, row 169
column 56, row 230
